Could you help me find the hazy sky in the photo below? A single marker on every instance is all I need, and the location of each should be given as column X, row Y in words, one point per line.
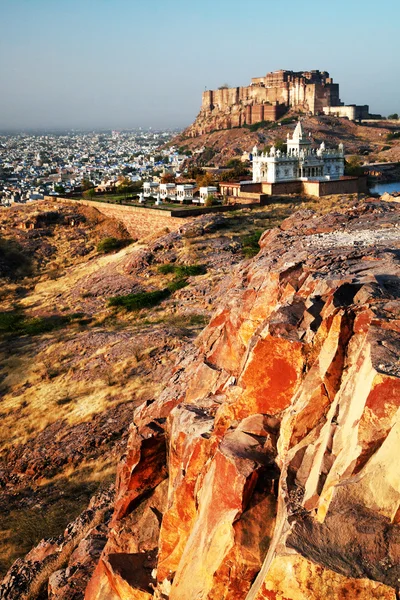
column 128, row 63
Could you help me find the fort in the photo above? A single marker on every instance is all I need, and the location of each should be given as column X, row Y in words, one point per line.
column 269, row 98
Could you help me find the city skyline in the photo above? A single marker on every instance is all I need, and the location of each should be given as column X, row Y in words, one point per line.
column 123, row 64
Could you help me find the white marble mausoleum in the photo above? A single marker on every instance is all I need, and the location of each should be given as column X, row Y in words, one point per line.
column 300, row 163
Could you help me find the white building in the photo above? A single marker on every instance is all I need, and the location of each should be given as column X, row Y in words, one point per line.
column 150, row 188
column 168, row 190
column 300, row 163
column 184, row 192
column 206, row 191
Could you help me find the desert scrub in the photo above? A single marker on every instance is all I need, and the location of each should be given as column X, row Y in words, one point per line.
column 139, row 300
column 177, row 284
column 15, row 322
column 15, row 263
column 109, row 244
column 182, row 271
column 250, row 245
column 147, row 299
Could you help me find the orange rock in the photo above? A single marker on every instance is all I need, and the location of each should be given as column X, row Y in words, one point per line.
column 189, row 449
column 270, row 376
column 295, row 578
column 280, row 434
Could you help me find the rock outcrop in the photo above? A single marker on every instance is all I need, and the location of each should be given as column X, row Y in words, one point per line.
column 268, row 468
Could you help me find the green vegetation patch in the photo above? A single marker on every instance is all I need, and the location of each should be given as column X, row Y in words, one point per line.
column 109, row 244
column 14, row 263
column 177, row 284
column 149, row 299
column 258, row 125
column 250, row 245
column 139, row 300
column 182, row 271
column 393, row 136
column 15, row 322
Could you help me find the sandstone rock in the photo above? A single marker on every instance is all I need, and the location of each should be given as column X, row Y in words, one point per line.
column 279, row 435
column 292, row 577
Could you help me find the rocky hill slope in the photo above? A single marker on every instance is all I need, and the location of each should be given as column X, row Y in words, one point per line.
column 269, row 462
column 215, row 145
column 73, row 368
column 266, row 468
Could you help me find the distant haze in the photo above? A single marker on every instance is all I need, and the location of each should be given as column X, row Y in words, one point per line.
column 128, row 63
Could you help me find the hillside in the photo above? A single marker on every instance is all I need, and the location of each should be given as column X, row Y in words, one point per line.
column 219, row 146
column 322, row 291
column 72, row 367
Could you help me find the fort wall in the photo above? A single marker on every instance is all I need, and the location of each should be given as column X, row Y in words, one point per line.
column 266, row 99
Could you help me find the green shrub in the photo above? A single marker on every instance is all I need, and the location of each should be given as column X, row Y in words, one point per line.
column 15, row 264
column 11, row 321
column 210, row 201
column 109, row 244
column 182, row 271
column 177, row 284
column 139, row 300
column 189, row 270
column 259, row 125
column 393, row 136
column 150, row 299
column 250, row 245
column 166, row 269
column 288, row 120
column 16, row 322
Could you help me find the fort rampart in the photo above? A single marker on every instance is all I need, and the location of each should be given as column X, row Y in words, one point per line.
column 265, row 99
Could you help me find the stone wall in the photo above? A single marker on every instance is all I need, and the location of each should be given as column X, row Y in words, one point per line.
column 345, row 185
column 276, row 189
column 139, row 221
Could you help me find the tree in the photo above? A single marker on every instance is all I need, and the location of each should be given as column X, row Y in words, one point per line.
column 168, row 178
column 393, row 117
column 353, row 166
column 210, row 200
column 281, row 145
column 237, row 170
column 89, row 194
column 193, row 172
column 125, row 186
column 204, row 180
column 224, row 86
column 86, row 184
column 59, row 189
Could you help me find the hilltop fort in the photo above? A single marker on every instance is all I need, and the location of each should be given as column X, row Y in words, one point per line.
column 269, row 98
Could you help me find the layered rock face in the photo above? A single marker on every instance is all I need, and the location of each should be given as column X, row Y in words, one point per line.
column 268, row 468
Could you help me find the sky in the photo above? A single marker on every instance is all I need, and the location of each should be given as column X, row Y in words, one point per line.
column 127, row 63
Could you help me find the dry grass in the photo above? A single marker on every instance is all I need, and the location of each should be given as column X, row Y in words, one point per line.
column 59, row 501
column 43, row 386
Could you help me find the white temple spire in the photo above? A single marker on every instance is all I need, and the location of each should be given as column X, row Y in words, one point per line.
column 298, row 132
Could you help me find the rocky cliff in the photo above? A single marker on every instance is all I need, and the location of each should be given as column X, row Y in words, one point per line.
column 268, row 468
